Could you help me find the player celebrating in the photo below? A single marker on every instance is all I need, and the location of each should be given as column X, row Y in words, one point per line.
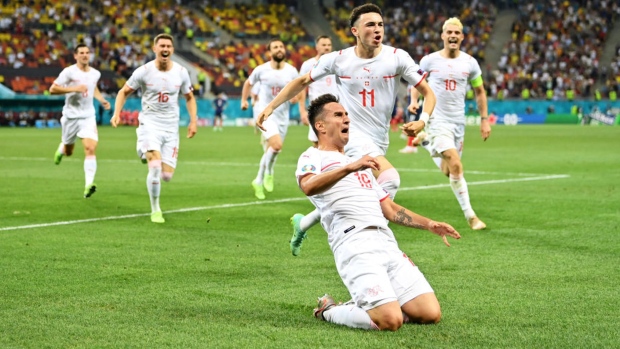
column 450, row 71
column 367, row 78
column 272, row 76
column 161, row 81
column 326, row 84
column 79, row 83
column 387, row 289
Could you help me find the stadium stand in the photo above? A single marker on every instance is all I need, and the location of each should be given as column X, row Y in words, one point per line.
column 555, row 46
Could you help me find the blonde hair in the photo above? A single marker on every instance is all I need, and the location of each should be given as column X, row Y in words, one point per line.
column 455, row 21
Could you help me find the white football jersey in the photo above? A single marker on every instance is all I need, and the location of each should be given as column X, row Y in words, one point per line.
column 160, row 94
column 326, row 84
column 77, row 104
column 352, row 204
column 448, row 78
column 368, row 87
column 272, row 81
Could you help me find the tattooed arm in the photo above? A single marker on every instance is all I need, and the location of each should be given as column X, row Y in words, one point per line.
column 402, row 216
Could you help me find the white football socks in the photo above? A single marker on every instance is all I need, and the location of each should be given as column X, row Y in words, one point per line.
column 90, row 169
column 310, row 220
column 459, row 188
column 350, row 315
column 153, row 184
column 272, row 155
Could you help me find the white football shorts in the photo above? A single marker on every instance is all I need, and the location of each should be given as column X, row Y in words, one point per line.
column 376, row 271
column 360, row 146
column 444, row 136
column 164, row 142
column 78, row 128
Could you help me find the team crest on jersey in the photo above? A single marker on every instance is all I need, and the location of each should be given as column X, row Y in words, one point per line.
column 420, row 72
column 308, row 168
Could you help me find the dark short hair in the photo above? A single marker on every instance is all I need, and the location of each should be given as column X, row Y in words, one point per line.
column 163, row 36
column 316, row 108
column 271, row 41
column 360, row 10
column 79, row 46
column 322, row 37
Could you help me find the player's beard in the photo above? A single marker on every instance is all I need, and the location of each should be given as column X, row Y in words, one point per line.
column 278, row 58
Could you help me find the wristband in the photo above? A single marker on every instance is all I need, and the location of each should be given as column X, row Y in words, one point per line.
column 424, row 117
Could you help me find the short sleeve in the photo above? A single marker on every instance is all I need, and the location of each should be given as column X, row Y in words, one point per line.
column 309, row 163
column 306, row 67
column 475, row 70
column 412, row 72
column 64, row 78
column 135, row 80
column 186, row 83
column 324, row 66
column 255, row 75
column 381, row 193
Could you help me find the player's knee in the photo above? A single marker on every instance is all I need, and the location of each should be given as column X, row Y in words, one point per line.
column 166, row 176
column 456, row 168
column 390, row 181
column 391, row 321
column 430, row 316
column 89, row 150
column 155, row 164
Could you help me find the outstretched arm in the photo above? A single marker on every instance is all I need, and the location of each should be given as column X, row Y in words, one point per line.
column 312, row 184
column 397, row 214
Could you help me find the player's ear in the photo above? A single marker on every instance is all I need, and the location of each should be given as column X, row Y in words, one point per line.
column 320, row 126
column 354, row 31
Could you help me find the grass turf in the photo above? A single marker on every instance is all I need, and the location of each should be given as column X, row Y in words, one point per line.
column 219, row 274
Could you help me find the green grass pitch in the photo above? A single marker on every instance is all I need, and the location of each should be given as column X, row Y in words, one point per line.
column 96, row 273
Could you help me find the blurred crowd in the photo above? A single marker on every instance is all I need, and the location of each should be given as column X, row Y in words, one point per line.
column 555, row 46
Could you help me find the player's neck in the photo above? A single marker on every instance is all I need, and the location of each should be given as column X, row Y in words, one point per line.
column 447, row 53
column 83, row 67
column 330, row 147
column 367, row 52
column 163, row 66
column 277, row 65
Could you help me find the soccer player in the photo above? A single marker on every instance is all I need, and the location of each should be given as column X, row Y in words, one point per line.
column 79, row 83
column 219, row 103
column 326, row 84
column 450, row 71
column 161, row 81
column 367, row 78
column 387, row 289
column 272, row 76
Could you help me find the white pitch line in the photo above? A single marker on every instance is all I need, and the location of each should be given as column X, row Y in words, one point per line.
column 251, row 203
column 247, row 164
